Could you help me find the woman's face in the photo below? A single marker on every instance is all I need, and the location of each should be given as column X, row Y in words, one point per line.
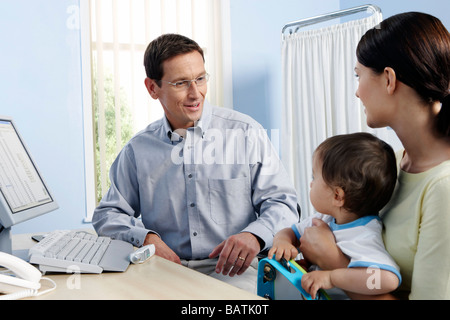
column 373, row 94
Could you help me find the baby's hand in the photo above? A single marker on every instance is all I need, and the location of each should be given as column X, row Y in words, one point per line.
column 283, row 249
column 315, row 280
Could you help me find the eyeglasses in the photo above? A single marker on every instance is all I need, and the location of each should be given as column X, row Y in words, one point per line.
column 186, row 84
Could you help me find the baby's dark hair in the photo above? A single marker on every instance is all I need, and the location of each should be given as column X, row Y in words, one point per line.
column 363, row 166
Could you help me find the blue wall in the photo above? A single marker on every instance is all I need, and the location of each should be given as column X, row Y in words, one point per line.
column 256, row 53
column 40, row 88
column 437, row 8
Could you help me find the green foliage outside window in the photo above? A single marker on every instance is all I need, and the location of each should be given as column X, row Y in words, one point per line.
column 110, row 128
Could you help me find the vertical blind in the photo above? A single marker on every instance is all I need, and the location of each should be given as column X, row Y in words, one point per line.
column 120, row 33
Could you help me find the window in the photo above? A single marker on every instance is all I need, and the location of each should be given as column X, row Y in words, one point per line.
column 114, row 45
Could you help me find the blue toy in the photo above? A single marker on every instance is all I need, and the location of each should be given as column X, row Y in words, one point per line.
column 281, row 280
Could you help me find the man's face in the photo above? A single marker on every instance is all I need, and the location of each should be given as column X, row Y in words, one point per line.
column 182, row 106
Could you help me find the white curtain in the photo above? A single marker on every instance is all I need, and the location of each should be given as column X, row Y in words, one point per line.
column 319, row 86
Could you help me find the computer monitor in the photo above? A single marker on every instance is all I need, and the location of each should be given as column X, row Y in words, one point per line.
column 24, row 194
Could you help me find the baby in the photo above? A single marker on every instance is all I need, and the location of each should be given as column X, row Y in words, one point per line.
column 354, row 176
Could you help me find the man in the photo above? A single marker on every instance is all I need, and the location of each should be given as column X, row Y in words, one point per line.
column 206, row 182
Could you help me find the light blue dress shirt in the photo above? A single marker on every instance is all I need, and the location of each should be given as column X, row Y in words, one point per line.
column 223, row 178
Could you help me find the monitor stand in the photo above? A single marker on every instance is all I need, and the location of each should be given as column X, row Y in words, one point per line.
column 6, row 244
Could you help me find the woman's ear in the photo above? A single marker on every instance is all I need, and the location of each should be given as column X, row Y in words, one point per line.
column 391, row 80
column 339, row 197
column 151, row 86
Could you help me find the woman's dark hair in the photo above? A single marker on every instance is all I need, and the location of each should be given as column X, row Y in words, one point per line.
column 363, row 166
column 417, row 46
column 163, row 48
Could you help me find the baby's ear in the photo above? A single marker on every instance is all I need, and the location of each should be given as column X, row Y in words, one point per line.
column 339, row 197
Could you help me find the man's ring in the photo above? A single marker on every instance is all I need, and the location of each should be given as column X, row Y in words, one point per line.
column 240, row 258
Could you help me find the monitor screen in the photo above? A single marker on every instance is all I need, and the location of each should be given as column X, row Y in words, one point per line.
column 23, row 193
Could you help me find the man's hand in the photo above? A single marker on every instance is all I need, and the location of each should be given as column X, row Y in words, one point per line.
column 236, row 253
column 161, row 248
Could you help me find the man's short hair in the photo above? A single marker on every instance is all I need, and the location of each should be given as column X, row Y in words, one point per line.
column 165, row 47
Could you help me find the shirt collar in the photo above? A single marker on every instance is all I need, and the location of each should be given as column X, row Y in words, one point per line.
column 202, row 123
column 358, row 222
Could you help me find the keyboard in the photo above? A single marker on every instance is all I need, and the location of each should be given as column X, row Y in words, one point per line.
column 80, row 252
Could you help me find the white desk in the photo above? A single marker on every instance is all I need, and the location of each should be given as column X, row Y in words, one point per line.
column 157, row 279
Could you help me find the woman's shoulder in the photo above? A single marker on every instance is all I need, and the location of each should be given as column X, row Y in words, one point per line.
column 440, row 173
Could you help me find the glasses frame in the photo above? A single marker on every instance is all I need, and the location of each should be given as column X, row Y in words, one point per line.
column 186, row 84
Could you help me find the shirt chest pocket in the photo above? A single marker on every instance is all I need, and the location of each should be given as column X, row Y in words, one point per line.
column 230, row 201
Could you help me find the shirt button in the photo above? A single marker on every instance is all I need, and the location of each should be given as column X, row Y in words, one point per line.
column 190, row 175
column 192, row 205
column 195, row 233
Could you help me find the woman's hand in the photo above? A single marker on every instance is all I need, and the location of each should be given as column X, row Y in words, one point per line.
column 318, row 246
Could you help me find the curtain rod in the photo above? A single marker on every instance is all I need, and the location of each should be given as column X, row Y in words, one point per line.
column 330, row 16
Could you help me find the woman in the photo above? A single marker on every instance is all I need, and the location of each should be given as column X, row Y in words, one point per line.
column 404, row 83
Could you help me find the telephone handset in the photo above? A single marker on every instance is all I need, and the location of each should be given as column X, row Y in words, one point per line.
column 22, row 280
